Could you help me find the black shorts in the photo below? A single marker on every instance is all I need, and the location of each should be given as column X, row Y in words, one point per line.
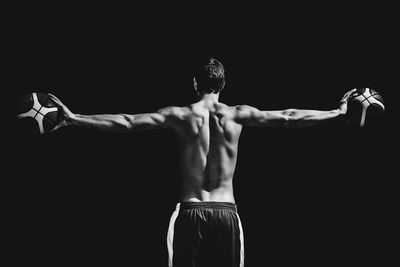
column 205, row 234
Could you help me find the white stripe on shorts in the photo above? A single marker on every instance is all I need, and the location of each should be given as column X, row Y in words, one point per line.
column 170, row 234
column 241, row 242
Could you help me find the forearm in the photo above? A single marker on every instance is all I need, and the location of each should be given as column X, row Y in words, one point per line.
column 103, row 122
column 119, row 122
column 304, row 118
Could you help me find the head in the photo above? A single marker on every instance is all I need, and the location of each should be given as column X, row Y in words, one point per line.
column 209, row 77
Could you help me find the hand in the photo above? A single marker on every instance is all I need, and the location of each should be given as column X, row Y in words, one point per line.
column 347, row 96
column 65, row 114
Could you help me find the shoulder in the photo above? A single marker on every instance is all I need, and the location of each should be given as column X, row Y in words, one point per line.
column 240, row 108
column 221, row 108
column 176, row 114
column 244, row 110
column 179, row 117
column 245, row 113
column 234, row 112
column 173, row 111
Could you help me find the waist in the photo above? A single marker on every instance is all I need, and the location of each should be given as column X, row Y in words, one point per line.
column 208, row 205
column 198, row 194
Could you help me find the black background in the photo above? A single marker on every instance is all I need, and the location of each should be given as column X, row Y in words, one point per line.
column 316, row 195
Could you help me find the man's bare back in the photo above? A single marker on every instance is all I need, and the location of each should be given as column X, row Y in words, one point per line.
column 208, row 139
column 208, row 132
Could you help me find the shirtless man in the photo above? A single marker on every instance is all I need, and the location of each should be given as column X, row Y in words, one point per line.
column 205, row 228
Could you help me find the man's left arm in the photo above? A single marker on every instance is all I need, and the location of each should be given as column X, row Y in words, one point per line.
column 113, row 122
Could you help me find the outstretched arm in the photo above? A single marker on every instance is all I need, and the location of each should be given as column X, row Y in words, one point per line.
column 248, row 115
column 112, row 122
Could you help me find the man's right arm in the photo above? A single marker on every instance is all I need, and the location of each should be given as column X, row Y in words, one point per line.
column 248, row 115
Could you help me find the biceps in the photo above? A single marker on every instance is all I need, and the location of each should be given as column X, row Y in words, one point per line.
column 271, row 118
column 248, row 115
column 146, row 121
column 254, row 118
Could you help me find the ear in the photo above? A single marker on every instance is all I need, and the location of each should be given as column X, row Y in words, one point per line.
column 195, row 84
column 222, row 85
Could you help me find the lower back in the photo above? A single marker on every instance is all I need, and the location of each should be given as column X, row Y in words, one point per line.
column 223, row 193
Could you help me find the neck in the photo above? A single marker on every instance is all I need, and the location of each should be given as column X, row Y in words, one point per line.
column 209, row 98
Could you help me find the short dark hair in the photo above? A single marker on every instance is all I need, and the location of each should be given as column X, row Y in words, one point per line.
column 209, row 75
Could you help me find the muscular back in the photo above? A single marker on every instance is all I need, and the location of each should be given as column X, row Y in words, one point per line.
column 208, row 139
column 208, row 136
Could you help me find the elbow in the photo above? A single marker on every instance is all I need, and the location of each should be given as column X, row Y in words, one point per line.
column 289, row 118
column 123, row 124
column 296, row 121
